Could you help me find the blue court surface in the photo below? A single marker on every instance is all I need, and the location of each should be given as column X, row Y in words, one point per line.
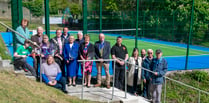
column 174, row 63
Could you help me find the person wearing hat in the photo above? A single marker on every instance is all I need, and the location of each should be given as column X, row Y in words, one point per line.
column 119, row 51
column 159, row 67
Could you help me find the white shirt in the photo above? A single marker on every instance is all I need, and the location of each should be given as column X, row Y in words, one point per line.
column 71, row 45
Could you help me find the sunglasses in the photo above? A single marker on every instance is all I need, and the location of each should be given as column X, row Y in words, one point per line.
column 149, row 53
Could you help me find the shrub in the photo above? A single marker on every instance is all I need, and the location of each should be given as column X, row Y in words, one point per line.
column 199, row 75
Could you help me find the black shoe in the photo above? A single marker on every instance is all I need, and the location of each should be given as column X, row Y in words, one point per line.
column 65, row 91
column 74, row 85
column 69, row 85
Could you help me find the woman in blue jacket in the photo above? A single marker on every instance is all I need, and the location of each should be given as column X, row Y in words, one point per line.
column 70, row 53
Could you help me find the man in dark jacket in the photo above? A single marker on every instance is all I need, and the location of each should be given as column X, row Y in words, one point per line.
column 102, row 51
column 146, row 74
column 65, row 34
column 159, row 67
column 38, row 40
column 58, row 43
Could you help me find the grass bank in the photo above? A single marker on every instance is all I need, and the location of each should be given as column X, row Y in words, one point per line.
column 3, row 50
column 16, row 88
column 176, row 93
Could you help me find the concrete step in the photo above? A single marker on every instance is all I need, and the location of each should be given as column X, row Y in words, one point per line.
column 104, row 95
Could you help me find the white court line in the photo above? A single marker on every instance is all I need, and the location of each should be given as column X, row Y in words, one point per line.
column 166, row 46
column 175, row 46
column 189, row 55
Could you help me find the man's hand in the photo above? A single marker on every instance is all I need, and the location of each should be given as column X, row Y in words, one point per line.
column 155, row 73
column 57, row 55
column 144, row 81
column 122, row 62
column 67, row 61
column 101, row 60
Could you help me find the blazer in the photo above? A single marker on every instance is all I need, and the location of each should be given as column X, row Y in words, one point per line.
column 131, row 70
column 90, row 50
column 35, row 38
column 73, row 51
column 106, row 50
column 55, row 44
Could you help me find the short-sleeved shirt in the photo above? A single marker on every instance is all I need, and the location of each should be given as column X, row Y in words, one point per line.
column 23, row 51
column 119, row 51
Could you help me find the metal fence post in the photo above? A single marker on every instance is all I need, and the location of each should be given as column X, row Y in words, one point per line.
column 83, row 79
column 113, row 83
column 125, row 81
column 137, row 16
column 165, row 90
column 189, row 36
column 100, row 16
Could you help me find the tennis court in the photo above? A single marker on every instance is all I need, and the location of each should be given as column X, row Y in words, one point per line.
column 174, row 53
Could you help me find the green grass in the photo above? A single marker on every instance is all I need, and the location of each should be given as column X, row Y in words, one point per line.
column 16, row 88
column 176, row 93
column 130, row 44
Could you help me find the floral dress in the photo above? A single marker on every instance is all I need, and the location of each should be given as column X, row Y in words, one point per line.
column 88, row 64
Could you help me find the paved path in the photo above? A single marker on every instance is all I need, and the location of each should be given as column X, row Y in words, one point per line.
column 97, row 93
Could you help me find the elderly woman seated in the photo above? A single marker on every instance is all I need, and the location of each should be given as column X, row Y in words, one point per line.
column 52, row 74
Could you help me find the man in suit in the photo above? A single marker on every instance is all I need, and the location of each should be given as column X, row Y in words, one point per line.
column 65, row 34
column 102, row 51
column 58, row 43
column 36, row 51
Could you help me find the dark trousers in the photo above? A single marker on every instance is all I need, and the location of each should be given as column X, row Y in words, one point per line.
column 146, row 91
column 61, row 84
column 36, row 63
column 120, row 77
column 61, row 64
column 21, row 62
column 136, row 88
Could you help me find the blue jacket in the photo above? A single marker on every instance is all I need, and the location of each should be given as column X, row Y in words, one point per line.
column 19, row 40
column 146, row 64
column 160, row 66
column 73, row 52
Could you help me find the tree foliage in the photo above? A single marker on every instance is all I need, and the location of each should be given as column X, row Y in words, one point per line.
column 35, row 7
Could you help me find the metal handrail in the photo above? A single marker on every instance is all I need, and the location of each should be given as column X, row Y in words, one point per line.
column 27, row 40
column 98, row 60
column 197, row 89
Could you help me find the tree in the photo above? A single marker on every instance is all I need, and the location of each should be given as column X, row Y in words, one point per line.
column 35, row 7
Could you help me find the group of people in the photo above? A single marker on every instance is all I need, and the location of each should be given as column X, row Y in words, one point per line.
column 60, row 57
